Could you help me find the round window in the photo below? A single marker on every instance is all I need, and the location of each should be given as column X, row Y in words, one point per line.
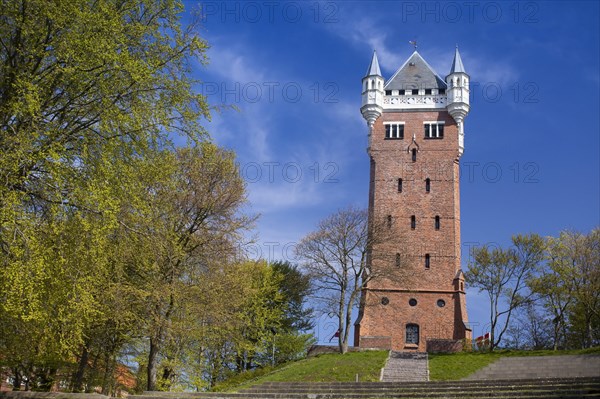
column 385, row 300
column 441, row 303
column 412, row 302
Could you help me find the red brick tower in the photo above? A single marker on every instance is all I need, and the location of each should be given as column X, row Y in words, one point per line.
column 416, row 301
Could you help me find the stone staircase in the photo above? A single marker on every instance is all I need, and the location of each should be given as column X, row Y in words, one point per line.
column 403, row 366
column 566, row 366
column 565, row 388
column 540, row 377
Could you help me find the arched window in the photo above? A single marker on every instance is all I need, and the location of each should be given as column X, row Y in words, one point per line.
column 437, row 222
column 428, row 185
column 427, row 261
column 414, row 155
column 412, row 334
column 399, row 185
column 413, row 222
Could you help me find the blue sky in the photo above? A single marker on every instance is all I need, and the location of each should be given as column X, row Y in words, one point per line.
column 292, row 71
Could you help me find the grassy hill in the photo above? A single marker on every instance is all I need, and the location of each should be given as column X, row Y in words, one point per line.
column 331, row 367
column 344, row 368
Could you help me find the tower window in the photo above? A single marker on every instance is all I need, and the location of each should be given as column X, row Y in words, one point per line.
column 437, row 222
column 434, row 130
column 414, row 155
column 388, row 92
column 442, row 91
column 412, row 302
column 401, row 92
column 427, row 261
column 427, row 91
column 441, row 303
column 389, row 221
column 413, row 222
column 394, row 131
column 428, row 185
column 412, row 334
column 397, row 260
column 415, row 92
column 399, row 185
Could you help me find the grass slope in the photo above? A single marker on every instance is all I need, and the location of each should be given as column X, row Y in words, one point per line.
column 323, row 368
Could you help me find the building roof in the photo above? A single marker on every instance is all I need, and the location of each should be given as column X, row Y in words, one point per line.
column 457, row 65
column 415, row 73
column 374, row 66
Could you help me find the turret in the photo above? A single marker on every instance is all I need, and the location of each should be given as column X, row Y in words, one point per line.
column 372, row 94
column 458, row 97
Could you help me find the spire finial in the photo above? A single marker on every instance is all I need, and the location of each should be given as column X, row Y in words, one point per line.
column 414, row 43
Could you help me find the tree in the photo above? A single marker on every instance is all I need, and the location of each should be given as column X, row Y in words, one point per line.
column 554, row 286
column 295, row 288
column 336, row 257
column 88, row 92
column 580, row 260
column 197, row 217
column 503, row 275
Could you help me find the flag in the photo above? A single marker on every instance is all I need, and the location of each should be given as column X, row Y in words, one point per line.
column 336, row 335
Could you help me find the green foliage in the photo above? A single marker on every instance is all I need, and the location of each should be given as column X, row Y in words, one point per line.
column 295, row 288
column 502, row 274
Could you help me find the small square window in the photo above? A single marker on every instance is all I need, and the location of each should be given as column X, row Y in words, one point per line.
column 434, row 130
column 394, row 130
column 427, row 91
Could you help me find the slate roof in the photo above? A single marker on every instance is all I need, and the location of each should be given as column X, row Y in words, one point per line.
column 415, row 74
column 374, row 67
column 457, row 65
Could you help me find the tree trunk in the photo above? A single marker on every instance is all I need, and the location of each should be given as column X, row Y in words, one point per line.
column 17, row 379
column 152, row 359
column 78, row 377
column 590, row 332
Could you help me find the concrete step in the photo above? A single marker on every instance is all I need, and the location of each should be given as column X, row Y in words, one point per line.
column 402, row 366
column 547, row 388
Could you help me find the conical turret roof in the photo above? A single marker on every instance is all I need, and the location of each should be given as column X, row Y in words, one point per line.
column 457, row 64
column 374, row 66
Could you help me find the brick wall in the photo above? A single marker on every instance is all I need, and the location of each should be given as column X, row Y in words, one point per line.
column 399, row 264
